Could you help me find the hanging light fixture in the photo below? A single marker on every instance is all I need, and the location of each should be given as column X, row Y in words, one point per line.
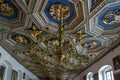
column 60, row 45
column 60, row 48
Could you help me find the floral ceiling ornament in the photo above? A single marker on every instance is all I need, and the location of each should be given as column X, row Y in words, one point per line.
column 34, row 31
column 54, row 10
column 6, row 9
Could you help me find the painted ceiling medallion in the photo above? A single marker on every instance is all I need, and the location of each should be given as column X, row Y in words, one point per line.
column 20, row 38
column 112, row 17
column 7, row 9
column 55, row 9
column 52, row 10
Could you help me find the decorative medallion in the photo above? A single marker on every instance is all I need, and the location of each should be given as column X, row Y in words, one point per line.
column 20, row 38
column 59, row 10
column 7, row 9
column 53, row 8
column 110, row 18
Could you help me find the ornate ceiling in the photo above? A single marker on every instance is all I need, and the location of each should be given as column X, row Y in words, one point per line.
column 29, row 32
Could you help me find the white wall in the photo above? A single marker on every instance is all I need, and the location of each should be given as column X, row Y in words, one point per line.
column 106, row 60
column 7, row 60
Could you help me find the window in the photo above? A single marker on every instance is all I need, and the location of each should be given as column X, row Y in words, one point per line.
column 2, row 70
column 109, row 75
column 0, row 55
column 90, row 76
column 106, row 73
column 95, row 76
column 24, row 76
column 14, row 75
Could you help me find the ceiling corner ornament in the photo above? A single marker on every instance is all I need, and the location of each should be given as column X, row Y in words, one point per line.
column 52, row 10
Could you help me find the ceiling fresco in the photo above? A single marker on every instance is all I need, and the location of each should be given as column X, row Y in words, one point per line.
column 58, row 39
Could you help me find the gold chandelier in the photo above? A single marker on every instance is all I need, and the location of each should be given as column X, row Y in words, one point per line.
column 59, row 48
